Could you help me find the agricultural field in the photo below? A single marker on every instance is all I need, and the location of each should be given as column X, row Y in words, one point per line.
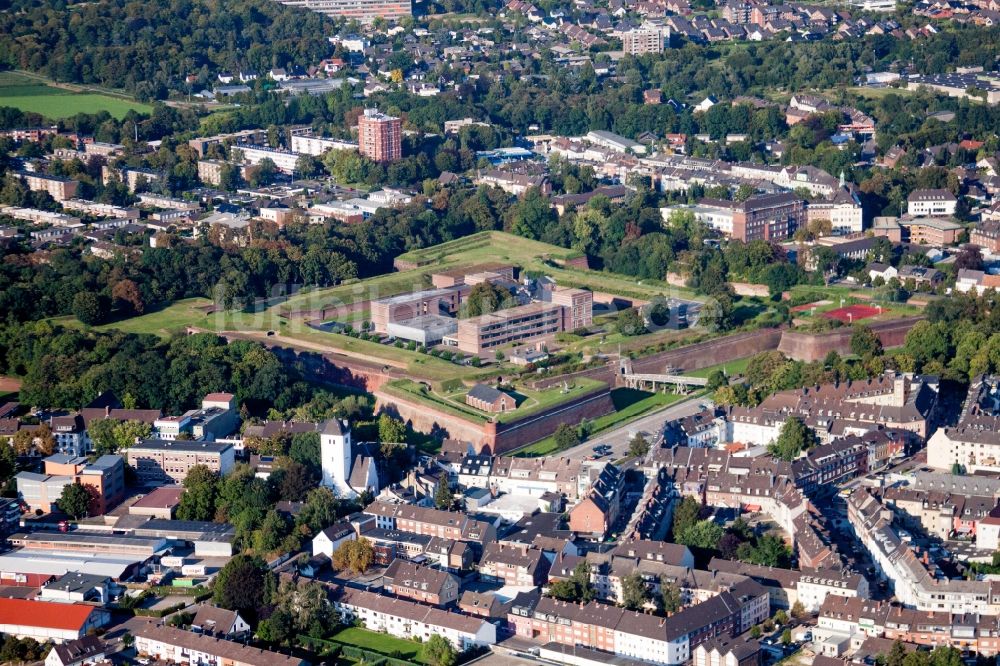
column 34, row 95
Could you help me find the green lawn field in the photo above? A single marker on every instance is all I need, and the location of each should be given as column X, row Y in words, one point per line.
column 287, row 321
column 35, row 96
column 377, row 642
column 630, row 404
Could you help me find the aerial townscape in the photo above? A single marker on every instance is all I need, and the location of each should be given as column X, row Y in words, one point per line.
column 500, row 332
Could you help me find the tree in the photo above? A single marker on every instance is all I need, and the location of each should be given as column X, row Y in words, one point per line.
column 786, row 637
column 295, row 480
column 864, row 342
column 670, row 596
column 90, row 308
column 244, row 584
column 438, row 651
column 102, row 434
column 8, row 462
column 781, row 617
column 199, row 496
column 970, row 257
column 320, row 510
column 566, row 436
column 125, row 294
column 126, row 433
column 755, row 631
column 799, row 611
column 443, row 497
column 716, row 380
column 485, row 298
column 686, row 514
column 794, row 438
column 391, row 430
column 634, row 591
column 638, row 446
column 75, row 500
column 703, row 534
column 355, row 555
column 630, row 322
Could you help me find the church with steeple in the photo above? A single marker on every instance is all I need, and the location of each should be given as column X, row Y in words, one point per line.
column 347, row 471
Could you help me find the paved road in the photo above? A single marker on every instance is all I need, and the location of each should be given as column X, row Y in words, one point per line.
column 651, row 424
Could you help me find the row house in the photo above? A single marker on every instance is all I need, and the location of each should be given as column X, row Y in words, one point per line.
column 427, row 585
column 431, row 522
column 403, row 618
column 666, row 641
column 516, row 565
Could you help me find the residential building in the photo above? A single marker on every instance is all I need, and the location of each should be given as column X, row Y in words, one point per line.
column 202, row 144
column 514, row 183
column 318, row 145
column 517, row 565
column 253, row 155
column 85, row 650
column 420, row 583
column 986, row 235
column 644, row 40
column 768, row 217
column 105, row 477
column 931, row 203
column 407, row 619
column 329, row 539
column 364, row 11
column 973, row 444
column 597, row 511
column 159, row 461
column 177, row 646
column 58, row 188
column 219, row 622
column 431, row 522
column 380, row 136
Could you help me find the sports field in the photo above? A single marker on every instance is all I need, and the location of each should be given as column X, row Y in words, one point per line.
column 853, row 313
column 35, row 96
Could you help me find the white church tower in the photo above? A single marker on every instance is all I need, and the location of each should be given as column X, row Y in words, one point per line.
column 336, row 457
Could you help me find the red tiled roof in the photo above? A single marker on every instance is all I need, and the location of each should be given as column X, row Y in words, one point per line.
column 43, row 614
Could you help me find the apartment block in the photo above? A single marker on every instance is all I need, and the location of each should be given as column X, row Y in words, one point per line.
column 380, row 137
column 317, row 145
column 203, row 143
column 253, row 155
column 158, row 461
column 364, row 11
column 58, row 188
column 768, row 217
column 421, row 583
column 506, row 326
column 643, row 40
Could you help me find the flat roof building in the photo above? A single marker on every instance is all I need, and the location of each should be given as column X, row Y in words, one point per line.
column 505, row 326
column 158, row 461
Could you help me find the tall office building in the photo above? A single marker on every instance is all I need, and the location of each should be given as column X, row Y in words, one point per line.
column 380, row 137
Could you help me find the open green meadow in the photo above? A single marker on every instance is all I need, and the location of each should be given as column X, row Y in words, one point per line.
column 34, row 95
